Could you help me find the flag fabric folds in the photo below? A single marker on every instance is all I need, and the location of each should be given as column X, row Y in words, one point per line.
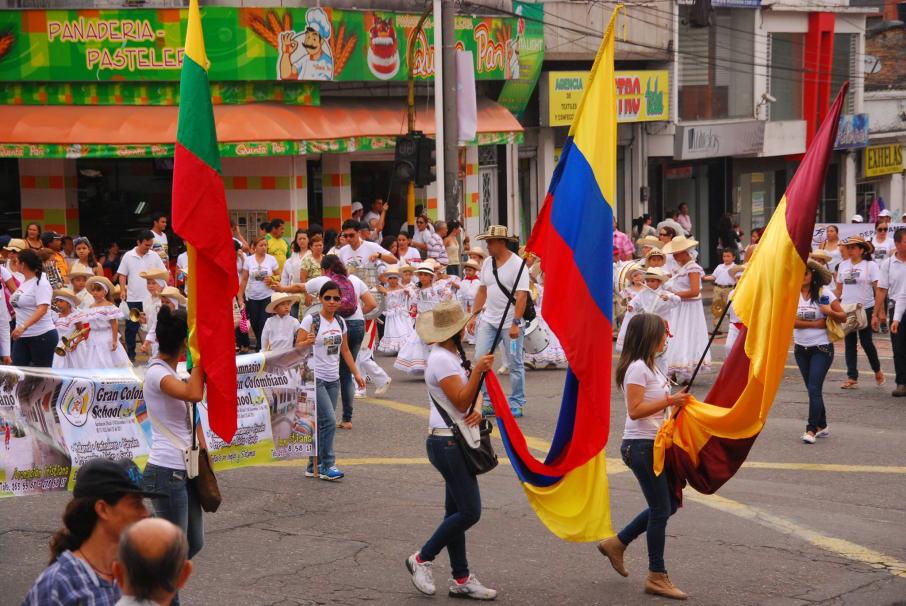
column 706, row 442
column 200, row 218
column 573, row 237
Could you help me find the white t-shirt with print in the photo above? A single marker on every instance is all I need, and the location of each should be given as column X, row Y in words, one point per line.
column 328, row 343
column 857, row 282
column 313, row 287
column 883, row 250
column 496, row 301
column 257, row 287
column 809, row 310
column 26, row 300
column 361, row 257
column 657, row 386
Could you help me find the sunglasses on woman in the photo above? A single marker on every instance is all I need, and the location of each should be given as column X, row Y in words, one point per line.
column 332, row 298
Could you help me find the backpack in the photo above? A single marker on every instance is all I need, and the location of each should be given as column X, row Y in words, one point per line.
column 349, row 301
column 316, row 324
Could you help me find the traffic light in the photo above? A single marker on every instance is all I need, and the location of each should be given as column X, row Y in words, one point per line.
column 405, row 159
column 425, row 173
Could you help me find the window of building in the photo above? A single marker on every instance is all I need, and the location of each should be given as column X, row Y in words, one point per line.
column 844, row 68
column 717, row 66
column 785, row 83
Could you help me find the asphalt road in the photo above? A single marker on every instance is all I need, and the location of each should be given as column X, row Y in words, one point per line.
column 799, row 524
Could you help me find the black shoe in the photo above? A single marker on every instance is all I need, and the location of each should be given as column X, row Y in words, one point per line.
column 899, row 392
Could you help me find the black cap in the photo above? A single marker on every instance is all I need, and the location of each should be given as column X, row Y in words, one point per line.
column 49, row 236
column 104, row 477
column 4, row 240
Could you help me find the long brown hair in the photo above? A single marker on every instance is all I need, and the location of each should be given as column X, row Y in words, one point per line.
column 643, row 338
column 79, row 520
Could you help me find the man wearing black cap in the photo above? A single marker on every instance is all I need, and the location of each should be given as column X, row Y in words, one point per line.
column 105, row 500
column 57, row 262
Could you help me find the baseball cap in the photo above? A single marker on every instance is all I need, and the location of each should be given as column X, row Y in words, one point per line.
column 357, row 206
column 103, row 477
column 884, row 213
column 857, row 219
column 49, row 236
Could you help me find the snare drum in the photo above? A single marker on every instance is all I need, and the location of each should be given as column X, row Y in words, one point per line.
column 536, row 339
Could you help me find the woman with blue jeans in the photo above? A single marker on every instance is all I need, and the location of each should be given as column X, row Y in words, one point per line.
column 813, row 350
column 328, row 336
column 167, row 400
column 452, row 385
column 35, row 336
column 648, row 403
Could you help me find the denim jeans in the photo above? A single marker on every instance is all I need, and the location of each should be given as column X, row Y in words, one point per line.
column 639, row 457
column 484, row 338
column 898, row 341
column 257, row 313
column 35, row 351
column 326, row 394
column 182, row 507
column 864, row 337
column 814, row 362
column 462, row 505
column 355, row 333
column 132, row 330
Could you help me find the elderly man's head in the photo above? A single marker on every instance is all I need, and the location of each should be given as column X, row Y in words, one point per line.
column 152, row 560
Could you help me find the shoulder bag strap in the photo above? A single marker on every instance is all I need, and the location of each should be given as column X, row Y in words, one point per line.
column 443, row 413
column 506, row 291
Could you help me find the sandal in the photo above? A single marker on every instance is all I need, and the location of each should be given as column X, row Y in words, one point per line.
column 849, row 384
column 879, row 378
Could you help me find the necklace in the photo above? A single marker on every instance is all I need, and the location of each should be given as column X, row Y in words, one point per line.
column 106, row 574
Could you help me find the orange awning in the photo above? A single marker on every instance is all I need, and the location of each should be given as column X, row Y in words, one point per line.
column 148, row 125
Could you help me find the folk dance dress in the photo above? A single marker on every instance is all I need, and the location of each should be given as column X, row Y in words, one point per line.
column 65, row 328
column 413, row 357
column 397, row 322
column 551, row 356
column 688, row 327
column 468, row 289
column 97, row 347
column 659, row 302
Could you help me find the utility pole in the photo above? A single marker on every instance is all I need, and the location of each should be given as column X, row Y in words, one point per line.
column 451, row 196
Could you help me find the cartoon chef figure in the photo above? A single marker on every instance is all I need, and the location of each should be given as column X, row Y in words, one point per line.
column 306, row 55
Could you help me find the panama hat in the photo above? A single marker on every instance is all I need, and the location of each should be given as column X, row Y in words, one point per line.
column 16, row 244
column 477, row 251
column 820, row 255
column 473, row 265
column 444, row 321
column 655, row 252
column 68, row 295
column 823, row 273
column 859, row 241
column 280, row 297
column 171, row 292
column 391, row 270
column 155, row 274
column 679, row 244
column 107, row 284
column 656, row 273
column 80, row 271
column 425, row 268
column 406, row 267
column 497, row 232
column 650, row 241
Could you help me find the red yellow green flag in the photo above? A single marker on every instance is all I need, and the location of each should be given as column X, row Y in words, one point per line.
column 201, row 220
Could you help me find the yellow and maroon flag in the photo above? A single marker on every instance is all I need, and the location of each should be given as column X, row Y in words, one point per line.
column 201, row 220
column 706, row 442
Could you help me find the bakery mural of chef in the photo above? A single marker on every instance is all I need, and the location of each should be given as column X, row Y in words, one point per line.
column 306, row 55
column 383, row 48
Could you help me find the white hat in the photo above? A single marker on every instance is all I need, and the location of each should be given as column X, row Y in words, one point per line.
column 439, row 324
column 884, row 213
column 67, row 295
column 357, row 206
column 280, row 297
column 679, row 244
column 857, row 219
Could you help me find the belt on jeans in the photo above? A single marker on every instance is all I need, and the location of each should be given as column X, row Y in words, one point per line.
column 724, row 285
column 445, row 432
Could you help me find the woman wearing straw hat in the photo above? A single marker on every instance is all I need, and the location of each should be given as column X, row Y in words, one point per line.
column 687, row 322
column 68, row 320
column 813, row 350
column 413, row 356
column 452, row 384
column 104, row 349
column 857, row 283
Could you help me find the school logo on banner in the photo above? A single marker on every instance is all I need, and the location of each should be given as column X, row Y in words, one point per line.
column 76, row 402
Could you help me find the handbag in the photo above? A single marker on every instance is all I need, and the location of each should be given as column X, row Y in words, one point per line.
column 856, row 319
column 244, row 322
column 481, row 459
column 204, row 480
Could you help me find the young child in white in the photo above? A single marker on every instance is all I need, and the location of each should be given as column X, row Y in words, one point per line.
column 103, row 347
column 155, row 281
column 413, row 357
column 652, row 299
column 280, row 329
column 77, row 279
column 68, row 320
column 724, row 282
column 468, row 289
column 397, row 324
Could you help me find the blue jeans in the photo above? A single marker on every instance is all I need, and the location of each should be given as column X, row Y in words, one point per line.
column 639, row 457
column 484, row 338
column 462, row 505
column 182, row 507
column 814, row 362
column 132, row 330
column 355, row 333
column 35, row 351
column 326, row 394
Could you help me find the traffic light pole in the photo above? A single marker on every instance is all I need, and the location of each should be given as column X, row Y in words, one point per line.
column 410, row 189
column 451, row 188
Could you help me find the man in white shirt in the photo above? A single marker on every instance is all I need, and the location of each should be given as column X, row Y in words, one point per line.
column 134, row 287
column 892, row 285
column 378, row 214
column 493, row 303
column 359, row 253
column 158, row 228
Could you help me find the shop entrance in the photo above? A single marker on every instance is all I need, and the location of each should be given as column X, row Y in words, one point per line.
column 10, row 196
column 372, row 180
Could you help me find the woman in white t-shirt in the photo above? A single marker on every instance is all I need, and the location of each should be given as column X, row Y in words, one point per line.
column 857, row 281
column 328, row 335
column 648, row 403
column 10, row 285
column 813, row 350
column 255, row 288
column 167, row 400
column 35, row 335
column 452, row 384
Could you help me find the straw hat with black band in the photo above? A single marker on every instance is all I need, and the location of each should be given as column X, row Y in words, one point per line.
column 16, row 245
column 497, row 232
column 280, row 297
column 425, row 268
column 679, row 244
column 820, row 255
column 824, row 274
column 446, row 320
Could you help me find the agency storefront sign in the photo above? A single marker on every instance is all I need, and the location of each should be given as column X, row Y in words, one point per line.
column 258, row 44
column 716, row 140
column 642, row 96
column 883, row 160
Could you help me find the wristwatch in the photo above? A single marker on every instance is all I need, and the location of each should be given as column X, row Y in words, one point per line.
column 517, row 321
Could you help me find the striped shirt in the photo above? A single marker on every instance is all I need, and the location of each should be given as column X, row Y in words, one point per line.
column 70, row 581
column 437, row 250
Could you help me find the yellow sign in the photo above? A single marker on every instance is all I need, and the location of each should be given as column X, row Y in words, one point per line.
column 883, row 160
column 642, row 96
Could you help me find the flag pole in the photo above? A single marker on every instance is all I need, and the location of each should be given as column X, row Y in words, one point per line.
column 708, row 347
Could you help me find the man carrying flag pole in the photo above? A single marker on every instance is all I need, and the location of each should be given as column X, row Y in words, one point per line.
column 200, row 218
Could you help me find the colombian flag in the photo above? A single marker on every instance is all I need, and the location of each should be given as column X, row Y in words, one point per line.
column 574, row 239
column 200, row 218
column 706, row 443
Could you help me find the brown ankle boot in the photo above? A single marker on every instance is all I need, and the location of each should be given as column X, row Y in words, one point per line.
column 613, row 550
column 658, row 583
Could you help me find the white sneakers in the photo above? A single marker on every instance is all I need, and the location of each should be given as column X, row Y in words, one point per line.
column 422, row 577
column 381, row 390
column 471, row 589
column 808, row 438
column 824, row 433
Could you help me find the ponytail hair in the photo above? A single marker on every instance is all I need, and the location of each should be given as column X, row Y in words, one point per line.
column 79, row 521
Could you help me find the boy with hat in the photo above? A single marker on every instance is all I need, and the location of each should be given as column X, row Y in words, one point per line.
column 281, row 327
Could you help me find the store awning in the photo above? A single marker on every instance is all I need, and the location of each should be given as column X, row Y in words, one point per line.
column 338, row 125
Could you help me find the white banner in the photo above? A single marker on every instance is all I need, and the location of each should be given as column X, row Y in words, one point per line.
column 847, row 230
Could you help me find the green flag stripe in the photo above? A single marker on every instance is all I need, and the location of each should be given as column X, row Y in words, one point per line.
column 195, row 130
